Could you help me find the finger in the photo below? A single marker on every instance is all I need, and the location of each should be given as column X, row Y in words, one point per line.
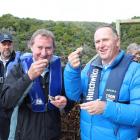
column 79, row 50
column 58, row 97
column 53, row 102
column 75, row 62
column 73, row 56
column 90, row 111
column 84, row 104
column 84, row 107
column 41, row 63
column 57, row 104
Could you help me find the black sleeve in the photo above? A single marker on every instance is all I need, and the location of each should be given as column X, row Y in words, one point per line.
column 1, row 75
column 14, row 86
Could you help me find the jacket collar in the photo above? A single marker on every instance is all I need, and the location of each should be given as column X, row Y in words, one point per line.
column 98, row 63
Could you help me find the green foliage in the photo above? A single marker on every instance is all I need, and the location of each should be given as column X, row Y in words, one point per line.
column 130, row 33
column 69, row 35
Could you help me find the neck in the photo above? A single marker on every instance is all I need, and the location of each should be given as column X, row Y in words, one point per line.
column 107, row 62
column 4, row 58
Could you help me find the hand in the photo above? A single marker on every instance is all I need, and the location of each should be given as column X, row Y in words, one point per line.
column 94, row 107
column 37, row 68
column 74, row 57
column 59, row 101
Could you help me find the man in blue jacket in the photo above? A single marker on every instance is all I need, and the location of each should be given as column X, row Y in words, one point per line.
column 108, row 88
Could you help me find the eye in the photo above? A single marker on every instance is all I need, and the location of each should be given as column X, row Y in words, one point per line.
column 97, row 41
column 105, row 39
column 40, row 47
column 49, row 48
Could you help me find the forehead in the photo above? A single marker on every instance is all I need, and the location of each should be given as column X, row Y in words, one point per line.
column 43, row 39
column 134, row 51
column 103, row 33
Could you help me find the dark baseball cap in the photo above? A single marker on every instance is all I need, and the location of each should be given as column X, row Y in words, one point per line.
column 6, row 37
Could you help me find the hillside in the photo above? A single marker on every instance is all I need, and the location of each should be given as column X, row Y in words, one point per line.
column 69, row 35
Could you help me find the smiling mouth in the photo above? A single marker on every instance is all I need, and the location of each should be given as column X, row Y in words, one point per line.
column 102, row 52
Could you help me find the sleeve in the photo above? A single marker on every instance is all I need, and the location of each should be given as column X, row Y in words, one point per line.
column 1, row 75
column 70, row 103
column 128, row 114
column 14, row 86
column 72, row 82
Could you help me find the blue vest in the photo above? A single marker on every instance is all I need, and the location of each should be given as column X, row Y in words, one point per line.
column 113, row 84
column 9, row 66
column 39, row 102
column 14, row 62
column 35, row 91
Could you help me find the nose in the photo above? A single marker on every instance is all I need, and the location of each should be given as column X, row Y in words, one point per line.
column 43, row 52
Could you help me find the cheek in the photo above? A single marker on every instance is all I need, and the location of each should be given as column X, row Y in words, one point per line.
column 50, row 52
column 111, row 51
column 36, row 53
column 11, row 49
column 35, row 50
column 96, row 47
column 1, row 49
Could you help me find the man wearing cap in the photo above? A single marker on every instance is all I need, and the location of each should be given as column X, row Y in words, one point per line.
column 8, row 57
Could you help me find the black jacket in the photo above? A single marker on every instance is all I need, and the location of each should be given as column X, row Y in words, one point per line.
column 30, row 125
column 4, row 69
column 4, row 114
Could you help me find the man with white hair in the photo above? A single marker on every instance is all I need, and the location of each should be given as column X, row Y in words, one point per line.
column 134, row 49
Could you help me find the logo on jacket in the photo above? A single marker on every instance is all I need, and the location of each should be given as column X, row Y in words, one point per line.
column 111, row 94
column 91, row 90
column 38, row 101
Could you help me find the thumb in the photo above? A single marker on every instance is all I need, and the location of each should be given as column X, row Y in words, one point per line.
column 79, row 50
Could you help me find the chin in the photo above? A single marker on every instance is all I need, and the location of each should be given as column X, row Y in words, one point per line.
column 103, row 56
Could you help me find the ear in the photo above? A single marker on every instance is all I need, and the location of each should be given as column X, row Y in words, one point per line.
column 31, row 48
column 54, row 50
column 118, row 42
